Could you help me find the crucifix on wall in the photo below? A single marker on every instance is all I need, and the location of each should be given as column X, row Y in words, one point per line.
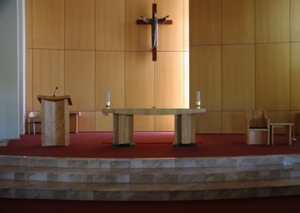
column 154, row 28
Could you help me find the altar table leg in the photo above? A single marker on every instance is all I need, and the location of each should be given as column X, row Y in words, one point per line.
column 123, row 130
column 115, row 129
column 184, row 129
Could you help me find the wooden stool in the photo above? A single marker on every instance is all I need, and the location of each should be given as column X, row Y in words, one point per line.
column 74, row 121
column 288, row 127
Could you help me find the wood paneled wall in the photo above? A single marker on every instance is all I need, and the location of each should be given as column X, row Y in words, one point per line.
column 244, row 55
column 87, row 47
column 241, row 55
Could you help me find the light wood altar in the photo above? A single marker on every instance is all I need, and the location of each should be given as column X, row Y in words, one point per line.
column 55, row 120
column 184, row 124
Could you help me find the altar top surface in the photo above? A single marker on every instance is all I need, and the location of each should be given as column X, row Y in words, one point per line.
column 155, row 111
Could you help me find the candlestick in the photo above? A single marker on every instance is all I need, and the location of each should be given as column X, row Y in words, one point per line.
column 108, row 99
column 198, row 100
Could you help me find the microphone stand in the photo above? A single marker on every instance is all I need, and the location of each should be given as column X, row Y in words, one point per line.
column 55, row 91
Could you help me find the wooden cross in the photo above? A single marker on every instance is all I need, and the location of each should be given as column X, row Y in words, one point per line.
column 154, row 22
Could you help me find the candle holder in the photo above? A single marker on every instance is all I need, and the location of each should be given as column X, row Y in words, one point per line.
column 107, row 105
column 198, row 105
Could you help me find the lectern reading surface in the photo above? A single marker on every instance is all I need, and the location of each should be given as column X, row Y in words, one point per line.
column 55, row 120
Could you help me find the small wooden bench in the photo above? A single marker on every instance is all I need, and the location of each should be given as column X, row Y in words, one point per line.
column 288, row 127
column 74, row 121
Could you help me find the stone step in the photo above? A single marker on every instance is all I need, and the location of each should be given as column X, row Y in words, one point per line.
column 149, row 179
column 146, row 163
column 158, row 175
column 148, row 191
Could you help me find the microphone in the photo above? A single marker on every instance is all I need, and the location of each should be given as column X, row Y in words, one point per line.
column 55, row 91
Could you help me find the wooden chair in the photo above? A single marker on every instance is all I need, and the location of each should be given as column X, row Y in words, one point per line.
column 257, row 127
column 33, row 119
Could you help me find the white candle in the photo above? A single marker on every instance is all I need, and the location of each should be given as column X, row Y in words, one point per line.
column 198, row 96
column 108, row 96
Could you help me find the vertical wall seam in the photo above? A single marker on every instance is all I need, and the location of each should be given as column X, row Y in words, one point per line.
column 64, row 47
column 290, row 59
column 95, row 65
column 31, row 53
column 255, row 64
column 154, row 72
column 183, row 52
column 221, row 68
column 125, row 53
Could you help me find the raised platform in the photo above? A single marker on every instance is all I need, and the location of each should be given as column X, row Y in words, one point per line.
column 146, row 179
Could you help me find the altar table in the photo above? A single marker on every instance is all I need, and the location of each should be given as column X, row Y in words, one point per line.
column 184, row 123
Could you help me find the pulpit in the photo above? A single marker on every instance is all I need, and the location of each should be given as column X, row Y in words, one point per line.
column 55, row 120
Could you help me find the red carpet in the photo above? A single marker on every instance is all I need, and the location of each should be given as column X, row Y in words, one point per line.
column 148, row 145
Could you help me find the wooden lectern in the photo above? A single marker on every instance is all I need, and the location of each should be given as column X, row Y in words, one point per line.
column 55, row 120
